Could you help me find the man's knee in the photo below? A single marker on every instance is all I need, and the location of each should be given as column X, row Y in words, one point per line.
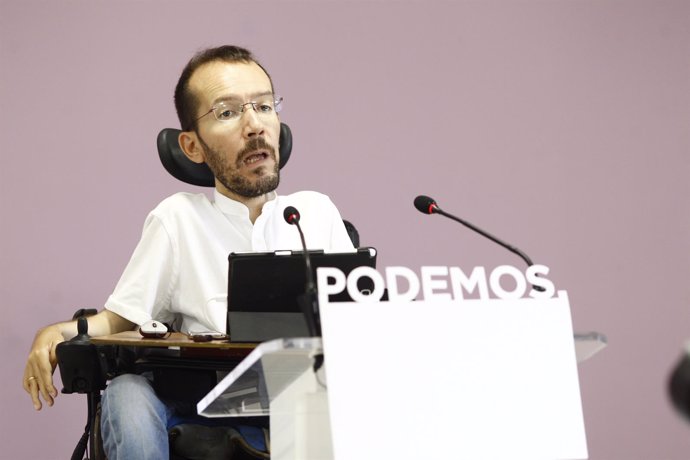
column 126, row 387
column 133, row 419
column 132, row 395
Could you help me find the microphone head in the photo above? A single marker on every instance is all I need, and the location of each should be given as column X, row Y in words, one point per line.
column 291, row 215
column 425, row 204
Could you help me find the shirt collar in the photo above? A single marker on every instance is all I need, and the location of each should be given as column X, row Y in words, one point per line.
column 231, row 207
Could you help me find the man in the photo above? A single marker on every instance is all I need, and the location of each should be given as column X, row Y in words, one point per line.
column 178, row 272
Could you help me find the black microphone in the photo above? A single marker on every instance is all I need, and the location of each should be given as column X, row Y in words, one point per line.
column 309, row 301
column 291, row 214
column 427, row 205
column 679, row 385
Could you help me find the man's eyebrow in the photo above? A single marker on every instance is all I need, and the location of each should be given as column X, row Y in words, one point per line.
column 239, row 100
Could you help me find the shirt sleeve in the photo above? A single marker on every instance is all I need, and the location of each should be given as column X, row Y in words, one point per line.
column 145, row 289
column 340, row 239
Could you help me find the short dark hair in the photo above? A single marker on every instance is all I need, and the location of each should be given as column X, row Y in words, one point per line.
column 186, row 101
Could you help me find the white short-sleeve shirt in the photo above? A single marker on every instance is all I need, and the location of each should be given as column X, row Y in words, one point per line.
column 179, row 268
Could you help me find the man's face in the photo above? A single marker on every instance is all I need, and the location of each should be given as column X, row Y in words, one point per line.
column 243, row 153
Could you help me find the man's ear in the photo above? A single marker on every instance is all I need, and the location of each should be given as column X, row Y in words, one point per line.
column 191, row 146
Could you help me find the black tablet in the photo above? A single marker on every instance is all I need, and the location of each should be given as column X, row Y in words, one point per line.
column 263, row 289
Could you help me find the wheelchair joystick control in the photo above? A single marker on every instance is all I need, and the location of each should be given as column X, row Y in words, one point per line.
column 79, row 364
column 82, row 331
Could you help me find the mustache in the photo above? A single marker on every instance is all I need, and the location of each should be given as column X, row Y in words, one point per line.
column 254, row 144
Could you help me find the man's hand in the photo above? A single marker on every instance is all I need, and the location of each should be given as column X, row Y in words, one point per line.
column 38, row 373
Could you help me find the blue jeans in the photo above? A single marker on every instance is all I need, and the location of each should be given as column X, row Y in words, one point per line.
column 134, row 421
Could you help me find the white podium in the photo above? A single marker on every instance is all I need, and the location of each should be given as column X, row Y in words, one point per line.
column 489, row 379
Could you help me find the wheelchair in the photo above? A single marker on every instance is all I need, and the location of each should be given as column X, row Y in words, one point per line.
column 85, row 368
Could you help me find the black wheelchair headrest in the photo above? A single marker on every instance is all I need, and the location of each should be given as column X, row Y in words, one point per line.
column 176, row 162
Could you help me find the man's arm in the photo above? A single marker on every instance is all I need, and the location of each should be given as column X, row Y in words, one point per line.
column 38, row 373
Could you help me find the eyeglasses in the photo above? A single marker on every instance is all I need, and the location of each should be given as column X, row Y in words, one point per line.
column 264, row 106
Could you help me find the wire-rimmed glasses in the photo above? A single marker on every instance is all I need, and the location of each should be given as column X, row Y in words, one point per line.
column 264, row 106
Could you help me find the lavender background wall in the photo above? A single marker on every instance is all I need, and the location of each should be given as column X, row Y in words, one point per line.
column 561, row 126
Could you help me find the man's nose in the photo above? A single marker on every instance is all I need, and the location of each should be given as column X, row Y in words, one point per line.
column 252, row 124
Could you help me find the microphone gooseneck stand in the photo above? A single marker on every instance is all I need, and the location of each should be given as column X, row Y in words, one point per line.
column 427, row 205
column 309, row 301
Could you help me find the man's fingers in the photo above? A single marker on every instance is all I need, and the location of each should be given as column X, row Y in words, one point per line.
column 37, row 378
column 48, row 372
column 31, row 387
column 41, row 383
column 38, row 373
column 47, row 388
column 47, row 397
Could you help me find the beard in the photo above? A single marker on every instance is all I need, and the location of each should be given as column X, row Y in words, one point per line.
column 260, row 180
